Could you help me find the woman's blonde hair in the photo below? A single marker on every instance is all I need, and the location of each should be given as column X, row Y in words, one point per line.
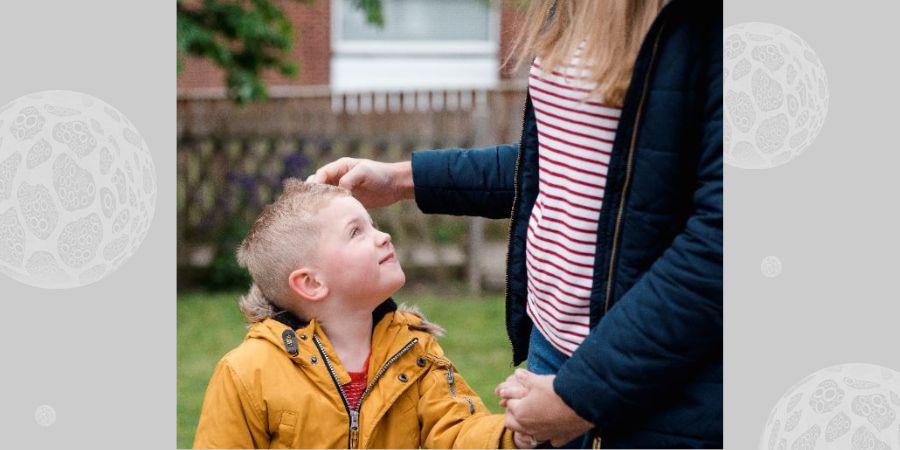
column 612, row 31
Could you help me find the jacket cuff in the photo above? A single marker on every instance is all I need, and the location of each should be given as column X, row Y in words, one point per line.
column 426, row 168
column 465, row 182
column 592, row 399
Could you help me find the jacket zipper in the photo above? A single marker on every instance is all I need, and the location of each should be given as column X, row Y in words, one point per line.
column 628, row 171
column 514, row 210
column 512, row 221
column 354, row 418
column 354, row 427
column 451, row 382
column 354, row 413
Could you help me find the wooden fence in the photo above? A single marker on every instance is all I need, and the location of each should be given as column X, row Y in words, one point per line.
column 232, row 161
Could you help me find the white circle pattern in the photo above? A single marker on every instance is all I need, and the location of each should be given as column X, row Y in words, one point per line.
column 775, row 95
column 851, row 406
column 77, row 189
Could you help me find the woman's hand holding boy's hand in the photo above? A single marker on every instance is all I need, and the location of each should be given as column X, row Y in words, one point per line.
column 510, row 389
column 533, row 408
column 374, row 184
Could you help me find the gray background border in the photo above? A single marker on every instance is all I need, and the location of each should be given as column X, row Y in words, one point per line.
column 104, row 355
column 830, row 215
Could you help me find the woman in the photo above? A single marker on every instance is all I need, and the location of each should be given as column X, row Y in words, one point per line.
column 614, row 290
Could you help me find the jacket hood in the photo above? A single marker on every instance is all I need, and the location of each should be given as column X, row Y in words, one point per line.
column 393, row 327
column 283, row 329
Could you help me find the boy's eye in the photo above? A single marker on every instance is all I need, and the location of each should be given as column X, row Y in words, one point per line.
column 354, row 232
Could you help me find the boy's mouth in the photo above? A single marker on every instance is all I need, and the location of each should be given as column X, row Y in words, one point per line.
column 391, row 257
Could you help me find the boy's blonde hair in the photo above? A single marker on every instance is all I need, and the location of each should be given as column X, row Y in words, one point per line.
column 280, row 241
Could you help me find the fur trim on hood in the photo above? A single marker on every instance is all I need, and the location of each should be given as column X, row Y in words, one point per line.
column 423, row 325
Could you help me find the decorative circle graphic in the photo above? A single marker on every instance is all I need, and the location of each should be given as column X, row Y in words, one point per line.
column 45, row 415
column 776, row 95
column 771, row 266
column 851, row 406
column 77, row 189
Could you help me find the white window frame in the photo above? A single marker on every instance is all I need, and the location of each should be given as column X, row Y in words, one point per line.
column 489, row 47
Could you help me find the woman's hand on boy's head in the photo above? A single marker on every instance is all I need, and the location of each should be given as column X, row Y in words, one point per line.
column 374, row 184
column 332, row 172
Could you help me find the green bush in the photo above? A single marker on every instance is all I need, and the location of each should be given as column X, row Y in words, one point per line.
column 225, row 273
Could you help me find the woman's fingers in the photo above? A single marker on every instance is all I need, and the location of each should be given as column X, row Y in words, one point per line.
column 332, row 172
column 512, row 391
column 509, row 381
column 513, row 424
column 511, row 388
column 352, row 178
column 375, row 184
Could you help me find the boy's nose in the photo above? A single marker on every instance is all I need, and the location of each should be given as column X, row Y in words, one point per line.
column 383, row 238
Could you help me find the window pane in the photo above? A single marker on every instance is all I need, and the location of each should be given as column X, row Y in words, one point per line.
column 420, row 20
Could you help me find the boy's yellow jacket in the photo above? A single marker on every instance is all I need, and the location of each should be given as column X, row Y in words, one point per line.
column 279, row 389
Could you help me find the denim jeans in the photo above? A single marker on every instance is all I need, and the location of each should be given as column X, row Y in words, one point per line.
column 545, row 359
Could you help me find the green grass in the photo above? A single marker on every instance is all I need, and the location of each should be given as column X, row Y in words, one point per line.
column 209, row 325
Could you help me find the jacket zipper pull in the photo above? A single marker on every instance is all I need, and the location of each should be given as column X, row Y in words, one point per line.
column 451, row 382
column 354, row 427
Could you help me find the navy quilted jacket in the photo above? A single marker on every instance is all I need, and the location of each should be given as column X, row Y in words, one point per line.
column 650, row 372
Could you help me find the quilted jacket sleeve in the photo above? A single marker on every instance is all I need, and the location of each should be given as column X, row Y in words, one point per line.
column 671, row 319
column 465, row 182
column 453, row 416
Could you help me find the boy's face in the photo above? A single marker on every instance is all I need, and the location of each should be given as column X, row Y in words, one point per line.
column 356, row 260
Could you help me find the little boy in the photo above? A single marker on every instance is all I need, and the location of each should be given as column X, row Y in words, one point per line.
column 328, row 362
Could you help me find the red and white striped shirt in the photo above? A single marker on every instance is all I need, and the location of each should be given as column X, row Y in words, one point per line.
column 575, row 139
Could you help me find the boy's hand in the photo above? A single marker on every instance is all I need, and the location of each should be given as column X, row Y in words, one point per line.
column 542, row 413
column 510, row 389
column 374, row 184
column 524, row 440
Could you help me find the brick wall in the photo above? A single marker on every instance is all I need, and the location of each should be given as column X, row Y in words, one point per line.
column 312, row 48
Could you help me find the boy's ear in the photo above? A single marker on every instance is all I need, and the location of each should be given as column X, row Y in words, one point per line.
column 307, row 285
